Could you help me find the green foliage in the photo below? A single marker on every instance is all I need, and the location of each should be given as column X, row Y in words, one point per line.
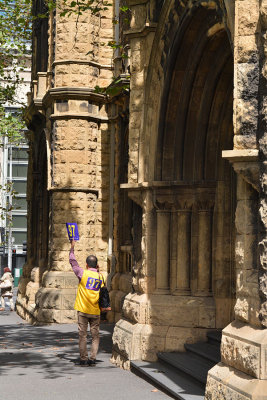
column 11, row 125
column 118, row 86
column 15, row 35
column 67, row 7
column 124, row 9
column 5, row 211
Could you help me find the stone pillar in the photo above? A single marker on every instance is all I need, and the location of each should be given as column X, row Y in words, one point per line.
column 242, row 371
column 163, row 250
column 75, row 124
column 204, row 251
column 183, row 250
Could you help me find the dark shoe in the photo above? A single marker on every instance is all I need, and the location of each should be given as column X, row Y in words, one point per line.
column 91, row 363
column 82, row 363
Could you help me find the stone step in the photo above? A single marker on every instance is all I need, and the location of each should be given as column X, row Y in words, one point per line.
column 189, row 363
column 214, row 337
column 209, row 351
column 178, row 385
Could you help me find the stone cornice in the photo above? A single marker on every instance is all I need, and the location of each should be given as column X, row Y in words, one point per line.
column 238, row 155
column 245, row 163
column 77, row 93
column 74, row 189
column 38, row 104
column 83, row 62
column 166, row 184
column 33, row 110
column 89, row 116
column 147, row 28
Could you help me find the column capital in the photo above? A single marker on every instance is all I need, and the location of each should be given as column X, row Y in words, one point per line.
column 204, row 206
column 183, row 206
column 245, row 163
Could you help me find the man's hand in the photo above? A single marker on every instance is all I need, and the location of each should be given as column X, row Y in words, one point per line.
column 72, row 243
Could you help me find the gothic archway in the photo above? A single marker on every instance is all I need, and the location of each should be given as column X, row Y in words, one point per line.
column 197, row 207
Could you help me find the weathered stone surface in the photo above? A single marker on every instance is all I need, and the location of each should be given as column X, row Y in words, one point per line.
column 176, row 337
column 244, row 348
column 64, row 280
column 170, row 284
column 246, row 119
column 243, row 356
column 227, row 383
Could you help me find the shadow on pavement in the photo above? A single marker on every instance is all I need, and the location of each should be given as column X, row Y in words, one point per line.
column 48, row 350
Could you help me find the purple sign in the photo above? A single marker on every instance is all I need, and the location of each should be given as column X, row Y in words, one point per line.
column 72, row 229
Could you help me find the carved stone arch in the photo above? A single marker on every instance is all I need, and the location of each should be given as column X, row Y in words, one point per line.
column 174, row 20
column 192, row 85
column 193, row 101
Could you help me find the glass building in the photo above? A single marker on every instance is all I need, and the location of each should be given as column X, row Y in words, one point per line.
column 14, row 165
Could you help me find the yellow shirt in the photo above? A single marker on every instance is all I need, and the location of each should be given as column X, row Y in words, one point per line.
column 88, row 293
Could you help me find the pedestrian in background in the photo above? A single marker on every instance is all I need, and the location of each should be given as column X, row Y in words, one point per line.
column 6, row 285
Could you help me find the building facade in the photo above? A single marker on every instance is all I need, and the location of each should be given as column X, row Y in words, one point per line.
column 166, row 179
column 13, row 169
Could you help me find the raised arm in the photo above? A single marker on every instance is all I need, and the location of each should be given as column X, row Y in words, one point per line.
column 74, row 263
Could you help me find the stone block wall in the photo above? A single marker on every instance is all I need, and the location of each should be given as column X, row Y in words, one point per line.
column 76, row 137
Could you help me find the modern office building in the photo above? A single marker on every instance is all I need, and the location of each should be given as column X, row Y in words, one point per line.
column 13, row 170
column 14, row 223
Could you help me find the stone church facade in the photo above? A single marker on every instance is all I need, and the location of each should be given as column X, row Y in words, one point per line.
column 166, row 179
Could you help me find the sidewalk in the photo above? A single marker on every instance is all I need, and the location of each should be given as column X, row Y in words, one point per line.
column 38, row 363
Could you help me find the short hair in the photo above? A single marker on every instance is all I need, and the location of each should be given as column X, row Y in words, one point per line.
column 91, row 261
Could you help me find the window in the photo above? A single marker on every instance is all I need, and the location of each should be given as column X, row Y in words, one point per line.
column 18, row 170
column 19, row 221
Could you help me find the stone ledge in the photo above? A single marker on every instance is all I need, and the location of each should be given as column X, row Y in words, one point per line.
column 83, row 62
column 245, row 163
column 245, row 348
column 240, row 155
column 182, row 311
column 227, row 383
column 88, row 116
column 143, row 341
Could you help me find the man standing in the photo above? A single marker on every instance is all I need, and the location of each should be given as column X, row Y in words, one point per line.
column 87, row 305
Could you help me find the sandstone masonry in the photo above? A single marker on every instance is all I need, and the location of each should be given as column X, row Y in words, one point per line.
column 165, row 178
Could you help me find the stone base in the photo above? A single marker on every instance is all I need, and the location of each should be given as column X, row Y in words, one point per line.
column 242, row 374
column 244, row 348
column 166, row 310
column 51, row 303
column 26, row 311
column 143, row 341
column 226, row 383
column 121, row 286
column 155, row 323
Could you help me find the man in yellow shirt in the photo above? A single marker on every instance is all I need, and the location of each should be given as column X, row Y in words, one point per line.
column 86, row 304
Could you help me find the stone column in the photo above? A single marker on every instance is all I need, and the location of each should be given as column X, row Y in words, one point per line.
column 183, row 250
column 242, row 371
column 75, row 119
column 204, row 250
column 163, row 250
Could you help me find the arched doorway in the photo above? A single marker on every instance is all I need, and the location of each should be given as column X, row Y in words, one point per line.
column 197, row 207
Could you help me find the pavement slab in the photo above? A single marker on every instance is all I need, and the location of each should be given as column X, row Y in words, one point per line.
column 37, row 362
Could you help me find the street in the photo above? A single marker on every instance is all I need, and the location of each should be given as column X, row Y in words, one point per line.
column 37, row 362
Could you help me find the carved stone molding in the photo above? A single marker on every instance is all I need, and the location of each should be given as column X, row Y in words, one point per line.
column 245, row 163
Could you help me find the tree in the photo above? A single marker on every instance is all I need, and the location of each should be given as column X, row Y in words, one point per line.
column 15, row 35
